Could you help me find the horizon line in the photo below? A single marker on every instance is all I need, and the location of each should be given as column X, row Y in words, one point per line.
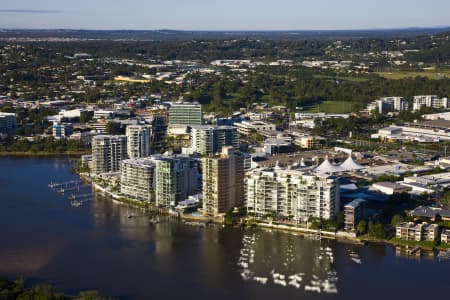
column 232, row 30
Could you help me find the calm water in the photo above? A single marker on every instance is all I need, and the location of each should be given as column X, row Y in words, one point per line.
column 97, row 246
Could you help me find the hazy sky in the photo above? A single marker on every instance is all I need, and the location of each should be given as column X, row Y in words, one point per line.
column 224, row 14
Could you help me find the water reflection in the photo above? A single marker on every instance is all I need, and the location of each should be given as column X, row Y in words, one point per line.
column 289, row 261
column 414, row 253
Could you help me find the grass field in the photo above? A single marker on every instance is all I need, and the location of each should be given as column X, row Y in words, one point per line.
column 336, row 107
column 431, row 74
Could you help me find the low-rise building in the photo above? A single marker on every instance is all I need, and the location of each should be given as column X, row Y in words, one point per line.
column 434, row 214
column 390, row 188
column 424, row 132
column 353, row 214
column 445, row 236
column 409, row 231
column 249, row 127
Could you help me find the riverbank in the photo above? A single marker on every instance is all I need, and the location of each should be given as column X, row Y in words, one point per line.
column 42, row 154
column 17, row 289
column 340, row 236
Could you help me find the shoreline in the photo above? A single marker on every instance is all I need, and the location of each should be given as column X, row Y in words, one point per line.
column 42, row 154
column 339, row 236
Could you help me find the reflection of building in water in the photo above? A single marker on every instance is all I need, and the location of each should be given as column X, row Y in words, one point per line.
column 411, row 252
column 214, row 257
column 110, row 216
column 163, row 238
column 289, row 261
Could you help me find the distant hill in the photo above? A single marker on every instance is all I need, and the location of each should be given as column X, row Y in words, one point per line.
column 185, row 35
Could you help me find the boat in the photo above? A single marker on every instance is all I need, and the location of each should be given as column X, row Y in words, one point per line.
column 329, row 287
column 280, row 282
column 75, row 203
column 356, row 260
column 294, row 283
column 246, row 274
column 312, row 288
column 262, row 280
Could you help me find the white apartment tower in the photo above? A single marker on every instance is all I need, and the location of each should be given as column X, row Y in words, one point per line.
column 137, row 179
column 291, row 194
column 107, row 152
column 138, row 141
column 429, row 101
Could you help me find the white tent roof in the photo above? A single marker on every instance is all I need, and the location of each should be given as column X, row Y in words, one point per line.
column 327, row 167
column 350, row 165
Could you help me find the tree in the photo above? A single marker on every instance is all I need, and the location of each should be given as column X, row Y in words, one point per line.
column 115, row 128
column 361, row 228
column 376, row 230
column 445, row 200
column 397, row 219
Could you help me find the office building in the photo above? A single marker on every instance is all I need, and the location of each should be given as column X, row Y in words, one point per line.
column 291, row 194
column 185, row 114
column 387, row 104
column 137, row 179
column 107, row 153
column 62, row 130
column 8, row 123
column 223, row 182
column 138, row 140
column 210, row 139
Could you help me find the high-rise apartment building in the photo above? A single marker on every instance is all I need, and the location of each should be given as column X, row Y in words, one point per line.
column 176, row 179
column 138, row 140
column 291, row 194
column 137, row 179
column 107, row 152
column 159, row 131
column 223, row 182
column 185, row 114
column 429, row 101
column 207, row 139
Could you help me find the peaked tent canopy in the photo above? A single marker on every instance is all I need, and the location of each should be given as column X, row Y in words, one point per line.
column 327, row 167
column 350, row 165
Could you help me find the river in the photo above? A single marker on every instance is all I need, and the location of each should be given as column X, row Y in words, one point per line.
column 97, row 247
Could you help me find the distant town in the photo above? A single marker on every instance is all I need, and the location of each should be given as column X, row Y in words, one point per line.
column 348, row 140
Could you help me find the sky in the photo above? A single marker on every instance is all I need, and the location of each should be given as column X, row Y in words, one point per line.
column 223, row 15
